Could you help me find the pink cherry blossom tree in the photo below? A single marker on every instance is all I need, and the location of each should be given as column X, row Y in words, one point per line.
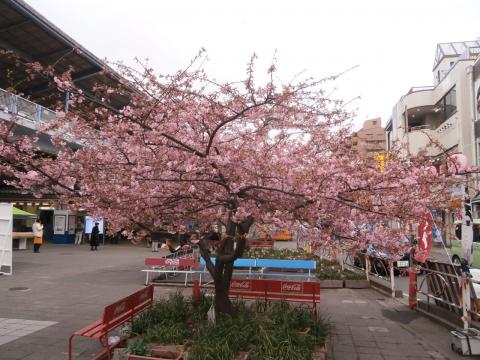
column 187, row 148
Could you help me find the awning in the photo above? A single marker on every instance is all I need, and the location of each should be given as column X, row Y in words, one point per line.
column 22, row 215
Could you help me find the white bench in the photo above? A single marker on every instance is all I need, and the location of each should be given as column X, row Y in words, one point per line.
column 170, row 266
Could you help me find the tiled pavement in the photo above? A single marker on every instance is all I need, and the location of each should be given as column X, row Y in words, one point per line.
column 69, row 286
column 369, row 325
column 13, row 329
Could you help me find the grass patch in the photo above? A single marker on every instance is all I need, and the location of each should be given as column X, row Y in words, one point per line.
column 279, row 331
column 270, row 253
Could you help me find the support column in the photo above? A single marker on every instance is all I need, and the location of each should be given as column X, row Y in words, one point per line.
column 67, row 98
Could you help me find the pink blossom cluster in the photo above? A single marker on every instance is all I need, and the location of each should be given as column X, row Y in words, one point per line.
column 188, row 149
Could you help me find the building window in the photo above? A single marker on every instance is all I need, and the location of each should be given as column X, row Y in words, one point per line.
column 478, row 152
column 478, row 103
column 374, row 122
column 448, row 104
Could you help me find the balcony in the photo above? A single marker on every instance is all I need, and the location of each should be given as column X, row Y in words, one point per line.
column 426, row 125
column 419, row 138
column 25, row 109
column 428, row 117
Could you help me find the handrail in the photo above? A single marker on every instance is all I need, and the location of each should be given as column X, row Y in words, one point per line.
column 420, row 127
column 24, row 108
column 420, row 88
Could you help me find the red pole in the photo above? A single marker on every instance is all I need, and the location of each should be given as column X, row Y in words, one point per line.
column 412, row 288
column 196, row 290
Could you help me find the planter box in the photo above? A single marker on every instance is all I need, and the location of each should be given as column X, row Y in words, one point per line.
column 331, row 284
column 357, row 284
column 138, row 357
column 120, row 354
column 321, row 352
column 168, row 351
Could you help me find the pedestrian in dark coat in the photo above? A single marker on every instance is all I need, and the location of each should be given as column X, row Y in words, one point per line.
column 94, row 237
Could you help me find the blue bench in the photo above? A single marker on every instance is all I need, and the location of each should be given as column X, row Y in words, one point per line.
column 287, row 265
column 269, row 264
column 239, row 263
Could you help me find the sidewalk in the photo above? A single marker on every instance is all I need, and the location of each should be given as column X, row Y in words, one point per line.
column 439, row 253
column 371, row 326
column 67, row 288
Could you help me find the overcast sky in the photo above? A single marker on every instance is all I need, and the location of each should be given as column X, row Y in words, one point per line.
column 392, row 42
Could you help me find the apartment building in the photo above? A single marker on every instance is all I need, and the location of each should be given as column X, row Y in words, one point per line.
column 443, row 118
column 443, row 113
column 370, row 139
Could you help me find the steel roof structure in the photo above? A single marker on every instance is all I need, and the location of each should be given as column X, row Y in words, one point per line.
column 454, row 49
column 33, row 38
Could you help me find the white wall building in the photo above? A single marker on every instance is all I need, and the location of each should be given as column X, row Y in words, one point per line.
column 444, row 117
column 445, row 112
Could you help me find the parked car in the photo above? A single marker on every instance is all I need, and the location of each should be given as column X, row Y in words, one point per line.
column 379, row 263
column 457, row 253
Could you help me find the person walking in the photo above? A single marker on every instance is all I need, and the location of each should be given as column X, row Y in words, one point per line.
column 155, row 237
column 94, row 237
column 37, row 229
column 79, row 233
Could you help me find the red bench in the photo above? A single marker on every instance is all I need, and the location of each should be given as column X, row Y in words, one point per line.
column 170, row 265
column 260, row 243
column 114, row 315
column 297, row 291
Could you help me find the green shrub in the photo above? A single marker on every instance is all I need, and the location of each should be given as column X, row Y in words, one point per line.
column 275, row 331
column 170, row 311
column 138, row 347
column 269, row 253
column 167, row 333
column 171, row 321
column 355, row 276
column 272, row 334
column 331, row 275
column 224, row 339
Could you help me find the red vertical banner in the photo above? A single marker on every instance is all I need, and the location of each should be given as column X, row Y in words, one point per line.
column 424, row 238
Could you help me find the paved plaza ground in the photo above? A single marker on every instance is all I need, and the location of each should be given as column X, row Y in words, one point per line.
column 68, row 286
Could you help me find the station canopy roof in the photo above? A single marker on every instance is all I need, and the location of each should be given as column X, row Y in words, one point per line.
column 453, row 49
column 32, row 37
column 22, row 214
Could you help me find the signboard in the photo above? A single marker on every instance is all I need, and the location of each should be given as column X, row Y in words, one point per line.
column 424, row 239
column 170, row 262
column 6, row 228
column 90, row 221
column 59, row 223
column 292, row 287
column 71, row 224
column 240, row 284
column 275, row 289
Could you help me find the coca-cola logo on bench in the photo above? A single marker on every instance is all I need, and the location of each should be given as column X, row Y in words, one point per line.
column 240, row 284
column 172, row 262
column 293, row 287
column 120, row 308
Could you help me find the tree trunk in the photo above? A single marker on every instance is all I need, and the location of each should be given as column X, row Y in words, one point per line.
column 223, row 269
column 222, row 302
